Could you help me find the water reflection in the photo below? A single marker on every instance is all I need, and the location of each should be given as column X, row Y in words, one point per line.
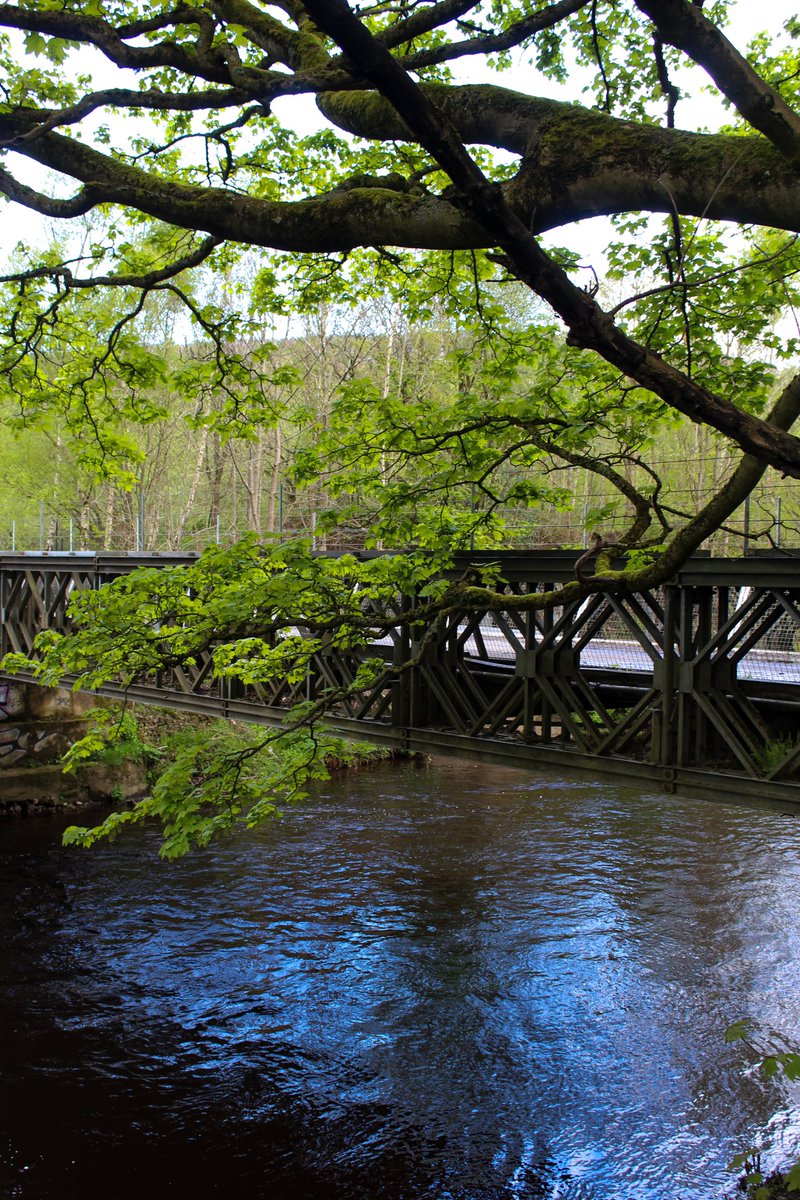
column 449, row 984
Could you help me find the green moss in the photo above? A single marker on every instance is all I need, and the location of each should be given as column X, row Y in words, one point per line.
column 772, row 754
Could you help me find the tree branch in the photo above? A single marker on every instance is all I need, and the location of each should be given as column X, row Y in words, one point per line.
column 149, row 279
column 686, row 26
column 490, row 43
column 589, row 326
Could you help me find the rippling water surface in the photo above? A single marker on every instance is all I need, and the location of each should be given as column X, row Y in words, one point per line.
column 448, row 983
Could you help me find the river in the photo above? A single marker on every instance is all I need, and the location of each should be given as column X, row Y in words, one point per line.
column 448, row 982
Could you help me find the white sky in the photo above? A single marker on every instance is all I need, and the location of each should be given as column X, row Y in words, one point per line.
column 20, row 224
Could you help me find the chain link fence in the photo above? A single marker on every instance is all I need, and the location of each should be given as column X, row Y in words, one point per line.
column 768, row 520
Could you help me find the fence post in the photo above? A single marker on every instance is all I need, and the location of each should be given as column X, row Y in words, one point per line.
column 747, row 526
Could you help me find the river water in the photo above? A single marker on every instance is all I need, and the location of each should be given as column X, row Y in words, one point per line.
column 448, row 982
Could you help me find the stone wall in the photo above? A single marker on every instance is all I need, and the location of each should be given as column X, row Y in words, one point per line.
column 37, row 726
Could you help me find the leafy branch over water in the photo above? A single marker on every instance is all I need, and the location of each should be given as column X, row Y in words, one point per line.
column 211, row 778
column 771, row 1062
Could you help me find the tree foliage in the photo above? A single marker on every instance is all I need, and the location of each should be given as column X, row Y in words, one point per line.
column 168, row 134
column 772, row 1062
column 196, row 145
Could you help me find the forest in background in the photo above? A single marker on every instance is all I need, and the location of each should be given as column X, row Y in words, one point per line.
column 189, row 467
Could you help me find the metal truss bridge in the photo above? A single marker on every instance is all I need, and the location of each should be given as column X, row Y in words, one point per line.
column 692, row 688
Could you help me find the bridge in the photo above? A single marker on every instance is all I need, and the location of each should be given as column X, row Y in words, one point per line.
column 692, row 689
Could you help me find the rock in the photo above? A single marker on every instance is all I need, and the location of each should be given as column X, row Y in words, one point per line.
column 31, row 778
column 51, row 746
column 25, row 789
column 13, row 757
column 125, row 781
column 13, row 700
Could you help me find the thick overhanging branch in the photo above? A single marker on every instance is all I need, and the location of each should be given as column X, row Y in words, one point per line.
column 335, row 221
column 579, row 163
column 589, row 326
column 280, row 42
column 82, row 202
column 206, row 56
column 576, row 164
column 685, row 26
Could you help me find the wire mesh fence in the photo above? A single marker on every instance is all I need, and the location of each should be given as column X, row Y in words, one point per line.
column 768, row 520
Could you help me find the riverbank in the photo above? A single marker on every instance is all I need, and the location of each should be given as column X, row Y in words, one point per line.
column 38, row 726
column 119, row 772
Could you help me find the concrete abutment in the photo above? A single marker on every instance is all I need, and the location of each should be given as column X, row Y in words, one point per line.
column 37, row 726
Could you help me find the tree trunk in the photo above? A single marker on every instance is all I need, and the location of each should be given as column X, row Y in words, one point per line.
column 192, row 493
column 108, row 525
column 275, row 480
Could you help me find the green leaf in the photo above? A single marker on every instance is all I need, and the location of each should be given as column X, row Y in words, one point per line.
column 791, row 1065
column 738, row 1030
column 35, row 43
column 793, row 1178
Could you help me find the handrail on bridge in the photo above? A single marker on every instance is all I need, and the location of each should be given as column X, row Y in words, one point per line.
column 693, row 687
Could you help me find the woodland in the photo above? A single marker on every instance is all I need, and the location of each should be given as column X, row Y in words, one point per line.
column 187, row 483
column 383, row 333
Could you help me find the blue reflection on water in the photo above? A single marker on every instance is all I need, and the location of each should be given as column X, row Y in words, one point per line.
column 426, row 984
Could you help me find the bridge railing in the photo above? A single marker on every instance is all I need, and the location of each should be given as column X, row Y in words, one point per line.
column 697, row 678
